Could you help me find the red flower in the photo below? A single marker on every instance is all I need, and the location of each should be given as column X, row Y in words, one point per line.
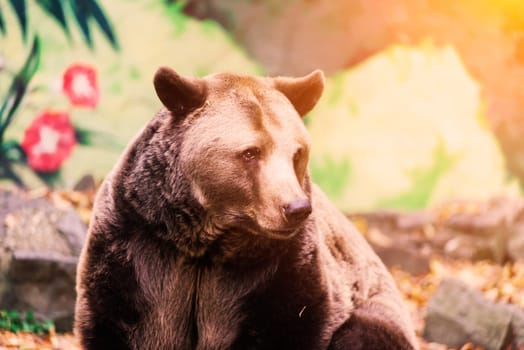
column 80, row 85
column 48, row 141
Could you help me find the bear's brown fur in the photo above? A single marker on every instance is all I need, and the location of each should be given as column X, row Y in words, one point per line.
column 208, row 233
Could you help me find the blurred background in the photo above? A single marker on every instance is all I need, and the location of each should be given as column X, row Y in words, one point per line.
column 418, row 136
column 422, row 104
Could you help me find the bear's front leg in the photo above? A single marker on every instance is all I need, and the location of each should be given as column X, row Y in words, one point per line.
column 367, row 329
column 101, row 336
column 105, row 307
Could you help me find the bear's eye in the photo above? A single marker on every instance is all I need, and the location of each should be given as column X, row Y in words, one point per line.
column 251, row 154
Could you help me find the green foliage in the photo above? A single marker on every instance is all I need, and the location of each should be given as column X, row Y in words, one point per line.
column 11, row 151
column 331, row 175
column 20, row 11
column 55, row 9
column 87, row 137
column 18, row 87
column 84, row 12
column 424, row 181
column 13, row 321
column 175, row 11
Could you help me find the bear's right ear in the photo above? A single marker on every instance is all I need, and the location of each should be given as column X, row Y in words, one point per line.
column 179, row 94
column 302, row 92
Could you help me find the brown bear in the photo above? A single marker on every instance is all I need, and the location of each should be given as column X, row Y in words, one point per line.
column 208, row 233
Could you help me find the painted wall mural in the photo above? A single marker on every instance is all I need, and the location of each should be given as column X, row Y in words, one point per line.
column 404, row 129
column 86, row 86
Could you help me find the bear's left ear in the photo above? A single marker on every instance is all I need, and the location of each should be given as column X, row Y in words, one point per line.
column 179, row 94
column 303, row 92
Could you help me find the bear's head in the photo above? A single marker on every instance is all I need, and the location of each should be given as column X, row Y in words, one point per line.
column 227, row 153
column 245, row 149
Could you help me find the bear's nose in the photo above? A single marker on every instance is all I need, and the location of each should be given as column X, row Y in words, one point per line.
column 297, row 211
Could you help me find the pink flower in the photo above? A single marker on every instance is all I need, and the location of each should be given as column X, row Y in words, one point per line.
column 81, row 86
column 48, row 141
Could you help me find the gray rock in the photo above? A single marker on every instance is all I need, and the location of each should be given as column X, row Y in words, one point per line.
column 415, row 220
column 43, row 282
column 73, row 229
column 457, row 315
column 517, row 321
column 403, row 257
column 475, row 248
column 39, row 248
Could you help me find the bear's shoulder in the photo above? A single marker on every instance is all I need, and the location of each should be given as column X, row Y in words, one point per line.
column 355, row 275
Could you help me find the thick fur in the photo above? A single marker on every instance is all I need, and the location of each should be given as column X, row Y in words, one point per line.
column 189, row 248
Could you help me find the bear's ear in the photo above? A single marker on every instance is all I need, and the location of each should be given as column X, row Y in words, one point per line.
column 303, row 92
column 179, row 94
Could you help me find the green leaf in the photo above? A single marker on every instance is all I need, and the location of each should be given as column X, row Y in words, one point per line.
column 12, row 321
column 26, row 327
column 55, row 8
column 18, row 87
column 29, row 316
column 13, row 314
column 176, row 12
column 21, row 14
column 82, row 12
column 104, row 24
column 2, row 23
column 98, row 138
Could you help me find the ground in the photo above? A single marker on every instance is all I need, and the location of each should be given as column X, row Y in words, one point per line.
column 498, row 282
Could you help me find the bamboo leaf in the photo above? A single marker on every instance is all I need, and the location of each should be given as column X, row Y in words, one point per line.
column 97, row 138
column 21, row 14
column 56, row 10
column 103, row 22
column 18, row 87
column 2, row 23
column 82, row 13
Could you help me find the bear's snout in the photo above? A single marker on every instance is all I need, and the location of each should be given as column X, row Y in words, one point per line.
column 296, row 211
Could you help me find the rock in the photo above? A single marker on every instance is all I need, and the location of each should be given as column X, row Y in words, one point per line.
column 403, row 257
column 415, row 220
column 457, row 315
column 39, row 248
column 481, row 235
column 468, row 230
column 517, row 320
column 74, row 229
column 86, row 184
column 476, row 248
column 515, row 246
column 42, row 282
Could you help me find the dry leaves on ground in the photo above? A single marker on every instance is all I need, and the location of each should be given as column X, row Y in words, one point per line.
column 499, row 283
column 29, row 341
